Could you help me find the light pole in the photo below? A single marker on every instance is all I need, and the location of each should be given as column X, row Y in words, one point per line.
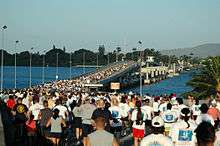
column 15, row 84
column 140, row 43
column 30, row 73
column 2, row 56
column 97, row 60
column 84, row 56
column 43, row 66
column 70, row 65
column 57, row 66
column 108, row 58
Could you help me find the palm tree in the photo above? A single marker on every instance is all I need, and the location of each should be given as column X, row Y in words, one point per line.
column 207, row 81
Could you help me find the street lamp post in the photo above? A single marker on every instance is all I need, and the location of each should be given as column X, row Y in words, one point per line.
column 57, row 66
column 84, row 56
column 97, row 60
column 43, row 67
column 70, row 65
column 15, row 81
column 2, row 56
column 30, row 73
column 140, row 43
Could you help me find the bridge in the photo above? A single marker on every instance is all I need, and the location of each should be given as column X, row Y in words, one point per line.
column 127, row 73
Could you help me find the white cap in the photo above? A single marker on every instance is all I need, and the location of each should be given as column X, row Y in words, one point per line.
column 157, row 122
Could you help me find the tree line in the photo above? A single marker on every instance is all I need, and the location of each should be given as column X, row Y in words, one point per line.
column 83, row 56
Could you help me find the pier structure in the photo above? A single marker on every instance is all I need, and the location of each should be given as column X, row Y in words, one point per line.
column 154, row 73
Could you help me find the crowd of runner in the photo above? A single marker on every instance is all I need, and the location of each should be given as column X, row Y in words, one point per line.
column 63, row 113
column 101, row 119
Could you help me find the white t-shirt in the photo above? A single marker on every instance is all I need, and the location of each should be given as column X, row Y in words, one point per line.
column 62, row 110
column 125, row 109
column 217, row 140
column 148, row 111
column 195, row 109
column 163, row 107
column 134, row 118
column 155, row 106
column 206, row 118
column 183, row 136
column 116, row 113
column 156, row 140
column 35, row 109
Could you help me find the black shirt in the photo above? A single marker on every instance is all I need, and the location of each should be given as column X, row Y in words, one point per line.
column 21, row 110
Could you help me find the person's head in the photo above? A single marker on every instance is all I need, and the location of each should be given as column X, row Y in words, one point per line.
column 123, row 99
column 214, row 103
column 180, row 101
column 101, row 103
column 100, row 122
column 56, row 113
column 11, row 97
column 158, row 125
column 185, row 115
column 204, row 108
column 196, row 101
column 115, row 102
column 19, row 100
column 205, row 134
column 31, row 118
column 45, row 103
column 169, row 106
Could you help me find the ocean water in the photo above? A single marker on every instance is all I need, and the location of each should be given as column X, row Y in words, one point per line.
column 50, row 75
column 175, row 84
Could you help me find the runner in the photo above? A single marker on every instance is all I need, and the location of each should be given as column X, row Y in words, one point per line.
column 157, row 138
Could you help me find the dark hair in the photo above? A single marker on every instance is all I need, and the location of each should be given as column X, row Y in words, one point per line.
column 197, row 101
column 123, row 99
column 169, row 106
column 45, row 103
column 204, row 108
column 79, row 102
column 158, row 130
column 139, row 120
column 205, row 133
column 56, row 113
column 180, row 100
column 185, row 115
column 31, row 118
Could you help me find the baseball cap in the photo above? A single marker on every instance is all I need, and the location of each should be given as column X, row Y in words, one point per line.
column 157, row 122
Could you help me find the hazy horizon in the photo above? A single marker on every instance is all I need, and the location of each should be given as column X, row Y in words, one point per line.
column 163, row 25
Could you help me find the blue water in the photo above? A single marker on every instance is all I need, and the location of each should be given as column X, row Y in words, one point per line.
column 172, row 85
column 50, row 75
column 175, row 84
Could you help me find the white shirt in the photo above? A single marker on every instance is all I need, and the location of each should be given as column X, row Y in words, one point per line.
column 134, row 118
column 156, row 140
column 217, row 141
column 195, row 109
column 125, row 109
column 148, row 111
column 35, row 109
column 163, row 107
column 155, row 106
column 206, row 118
column 116, row 113
column 62, row 110
column 183, row 136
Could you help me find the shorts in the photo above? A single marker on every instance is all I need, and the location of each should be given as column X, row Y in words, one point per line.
column 138, row 133
column 87, row 129
column 55, row 135
column 77, row 122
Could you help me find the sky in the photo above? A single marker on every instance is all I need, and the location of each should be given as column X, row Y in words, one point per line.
column 75, row 24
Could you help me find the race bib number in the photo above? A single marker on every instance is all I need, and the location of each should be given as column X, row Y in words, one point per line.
column 185, row 135
column 115, row 114
column 169, row 118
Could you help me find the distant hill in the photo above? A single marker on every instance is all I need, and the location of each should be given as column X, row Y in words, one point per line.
column 205, row 50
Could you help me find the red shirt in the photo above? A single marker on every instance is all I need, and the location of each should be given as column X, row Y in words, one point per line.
column 214, row 113
column 11, row 103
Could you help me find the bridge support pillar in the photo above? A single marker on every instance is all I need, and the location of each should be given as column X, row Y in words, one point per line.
column 147, row 81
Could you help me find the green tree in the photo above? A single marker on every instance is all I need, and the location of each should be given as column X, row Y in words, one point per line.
column 207, row 81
